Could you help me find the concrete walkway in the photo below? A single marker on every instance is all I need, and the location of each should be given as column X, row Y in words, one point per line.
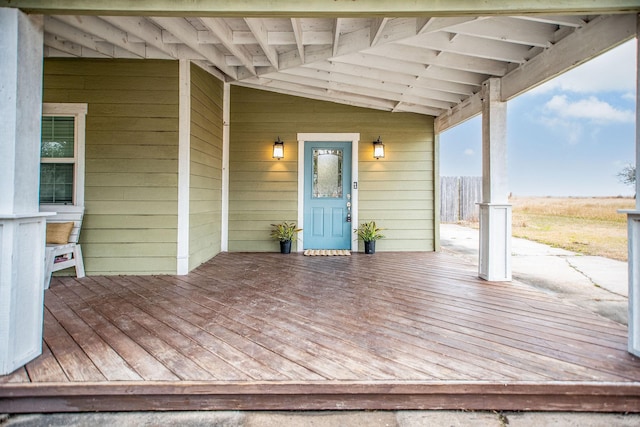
column 596, row 283
column 326, row 419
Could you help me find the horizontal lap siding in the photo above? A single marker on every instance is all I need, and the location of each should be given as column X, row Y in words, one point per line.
column 131, row 179
column 206, row 167
column 396, row 191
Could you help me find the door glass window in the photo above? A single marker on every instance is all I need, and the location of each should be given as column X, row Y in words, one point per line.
column 327, row 173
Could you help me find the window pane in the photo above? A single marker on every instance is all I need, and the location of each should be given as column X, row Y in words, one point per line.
column 56, row 183
column 327, row 173
column 57, row 137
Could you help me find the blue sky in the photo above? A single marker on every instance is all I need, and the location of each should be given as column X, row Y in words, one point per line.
column 567, row 137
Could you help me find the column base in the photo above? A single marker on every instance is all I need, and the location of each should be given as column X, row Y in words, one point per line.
column 22, row 252
column 633, row 230
column 495, row 242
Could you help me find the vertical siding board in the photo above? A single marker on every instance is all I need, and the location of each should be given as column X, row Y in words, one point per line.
column 206, row 167
column 131, row 148
column 264, row 190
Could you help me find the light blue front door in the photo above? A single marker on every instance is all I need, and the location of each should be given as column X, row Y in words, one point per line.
column 327, row 195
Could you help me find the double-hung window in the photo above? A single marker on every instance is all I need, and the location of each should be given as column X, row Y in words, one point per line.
column 62, row 154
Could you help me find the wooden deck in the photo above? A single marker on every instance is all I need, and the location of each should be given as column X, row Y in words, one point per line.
column 272, row 331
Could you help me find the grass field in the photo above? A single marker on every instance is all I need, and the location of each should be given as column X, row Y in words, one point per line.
column 591, row 226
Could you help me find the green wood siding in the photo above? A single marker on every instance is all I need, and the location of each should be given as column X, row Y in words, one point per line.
column 397, row 191
column 131, row 177
column 206, row 167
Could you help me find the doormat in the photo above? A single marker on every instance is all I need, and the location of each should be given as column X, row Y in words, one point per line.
column 326, row 252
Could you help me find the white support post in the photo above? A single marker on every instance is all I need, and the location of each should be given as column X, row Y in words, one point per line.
column 22, row 226
column 495, row 210
column 226, row 117
column 633, row 229
column 184, row 166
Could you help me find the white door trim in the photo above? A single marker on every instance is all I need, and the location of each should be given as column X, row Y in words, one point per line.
column 329, row 137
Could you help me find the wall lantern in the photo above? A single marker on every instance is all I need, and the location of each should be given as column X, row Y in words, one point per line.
column 278, row 149
column 378, row 149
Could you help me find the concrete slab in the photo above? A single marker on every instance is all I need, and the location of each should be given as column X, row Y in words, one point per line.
column 595, row 283
column 535, row 419
column 449, row 419
column 129, row 419
column 321, row 419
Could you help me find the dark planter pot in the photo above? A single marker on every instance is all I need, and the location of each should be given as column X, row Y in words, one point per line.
column 285, row 247
column 370, row 247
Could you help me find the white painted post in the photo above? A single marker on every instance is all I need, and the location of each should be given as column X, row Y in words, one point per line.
column 633, row 230
column 226, row 118
column 184, row 166
column 22, row 226
column 495, row 210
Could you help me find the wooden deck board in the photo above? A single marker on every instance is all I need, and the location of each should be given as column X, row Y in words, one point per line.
column 267, row 331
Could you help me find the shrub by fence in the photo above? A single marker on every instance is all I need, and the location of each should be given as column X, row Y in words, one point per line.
column 459, row 196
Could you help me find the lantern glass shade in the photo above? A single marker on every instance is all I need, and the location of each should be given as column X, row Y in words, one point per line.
column 278, row 149
column 378, row 149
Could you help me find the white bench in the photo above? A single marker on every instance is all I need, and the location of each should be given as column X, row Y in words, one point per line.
column 59, row 256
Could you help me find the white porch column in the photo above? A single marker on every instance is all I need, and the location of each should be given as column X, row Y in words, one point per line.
column 22, row 227
column 184, row 166
column 633, row 227
column 495, row 210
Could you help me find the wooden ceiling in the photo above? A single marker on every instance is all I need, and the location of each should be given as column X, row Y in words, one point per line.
column 428, row 65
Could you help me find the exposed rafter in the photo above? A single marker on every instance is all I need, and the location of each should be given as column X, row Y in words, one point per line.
column 261, row 35
column 185, row 32
column 431, row 65
column 297, row 32
column 220, row 28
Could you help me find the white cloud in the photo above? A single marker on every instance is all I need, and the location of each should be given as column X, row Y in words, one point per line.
column 612, row 71
column 590, row 108
column 469, row 152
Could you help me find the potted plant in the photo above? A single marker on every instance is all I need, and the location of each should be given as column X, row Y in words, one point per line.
column 369, row 232
column 285, row 233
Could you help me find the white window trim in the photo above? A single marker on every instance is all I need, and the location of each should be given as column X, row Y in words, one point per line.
column 79, row 112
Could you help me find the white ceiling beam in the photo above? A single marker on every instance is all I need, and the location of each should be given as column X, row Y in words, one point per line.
column 76, row 36
column 373, row 61
column 245, row 37
column 354, row 41
column 61, row 45
column 356, row 89
column 336, row 35
column 394, row 51
column 403, row 107
column 296, row 24
column 565, row 21
column 258, row 61
column 471, row 46
column 377, row 27
column 350, row 79
column 317, row 93
column 585, row 43
column 322, row 8
column 261, row 35
column 220, row 28
column 461, row 90
column 144, row 30
column 105, row 31
column 375, row 84
column 600, row 35
column 308, row 37
column 508, row 29
column 180, row 28
column 462, row 112
column 432, row 25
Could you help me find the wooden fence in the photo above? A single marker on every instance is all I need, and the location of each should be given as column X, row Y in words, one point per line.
column 459, row 196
